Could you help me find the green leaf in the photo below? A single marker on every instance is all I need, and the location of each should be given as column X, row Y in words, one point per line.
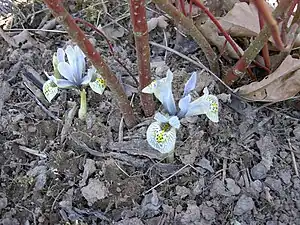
column 50, row 90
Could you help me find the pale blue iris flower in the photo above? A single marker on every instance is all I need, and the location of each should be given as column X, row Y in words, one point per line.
column 161, row 134
column 72, row 73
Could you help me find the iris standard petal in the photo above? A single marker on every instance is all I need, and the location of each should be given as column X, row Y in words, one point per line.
column 62, row 83
column 50, row 90
column 80, row 61
column 161, row 117
column 174, row 122
column 190, row 84
column 169, row 103
column 86, row 79
column 71, row 55
column 161, row 137
column 198, row 107
column 60, row 55
column 183, row 105
column 92, row 72
column 66, row 71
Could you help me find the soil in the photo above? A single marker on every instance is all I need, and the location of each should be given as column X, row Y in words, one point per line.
column 56, row 169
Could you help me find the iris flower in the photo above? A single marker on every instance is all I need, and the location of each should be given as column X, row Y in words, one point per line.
column 161, row 134
column 71, row 74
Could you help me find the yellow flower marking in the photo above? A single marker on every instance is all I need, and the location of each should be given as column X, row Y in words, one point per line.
column 160, row 136
column 213, row 105
column 100, row 81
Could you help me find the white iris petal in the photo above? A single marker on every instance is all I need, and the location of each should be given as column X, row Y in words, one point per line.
column 161, row 137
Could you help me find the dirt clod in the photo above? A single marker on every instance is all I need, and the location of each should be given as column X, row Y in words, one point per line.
column 244, row 204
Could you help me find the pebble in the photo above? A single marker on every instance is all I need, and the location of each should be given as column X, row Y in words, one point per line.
column 259, row 171
column 244, row 204
column 3, row 203
column 296, row 182
column 182, row 192
column 208, row 213
column 285, row 176
column 234, row 171
column 274, row 184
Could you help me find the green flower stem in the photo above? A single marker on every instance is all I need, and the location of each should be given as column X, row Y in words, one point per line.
column 170, row 156
column 83, row 108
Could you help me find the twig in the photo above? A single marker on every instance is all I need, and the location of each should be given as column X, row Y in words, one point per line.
column 199, row 64
column 255, row 47
column 87, row 47
column 31, row 93
column 111, row 50
column 293, row 158
column 8, row 39
column 192, row 30
column 38, row 30
column 168, row 178
column 224, row 169
column 33, row 152
column 264, row 11
column 122, row 169
column 56, row 198
column 33, row 215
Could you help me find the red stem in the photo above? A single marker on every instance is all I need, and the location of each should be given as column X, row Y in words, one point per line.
column 140, row 31
column 86, row 46
column 111, row 50
column 216, row 22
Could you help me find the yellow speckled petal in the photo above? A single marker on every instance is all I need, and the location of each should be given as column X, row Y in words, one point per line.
column 161, row 137
column 50, row 90
column 213, row 112
column 98, row 85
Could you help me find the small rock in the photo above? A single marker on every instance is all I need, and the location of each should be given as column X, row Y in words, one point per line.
column 283, row 154
column 259, row 171
column 272, row 222
column 182, row 192
column 296, row 132
column 131, row 221
column 89, row 168
column 234, row 171
column 150, row 205
column 244, row 204
column 274, row 184
column 285, row 176
column 233, row 188
column 208, row 213
column 198, row 186
column 296, row 182
column 257, row 185
column 94, row 191
column 192, row 215
column 3, row 203
column 218, row 188
column 205, row 164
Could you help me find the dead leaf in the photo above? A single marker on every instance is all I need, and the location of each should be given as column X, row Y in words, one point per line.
column 157, row 22
column 243, row 21
column 210, row 31
column 112, row 32
column 283, row 83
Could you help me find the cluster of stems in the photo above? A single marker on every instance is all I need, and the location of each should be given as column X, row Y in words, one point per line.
column 268, row 24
